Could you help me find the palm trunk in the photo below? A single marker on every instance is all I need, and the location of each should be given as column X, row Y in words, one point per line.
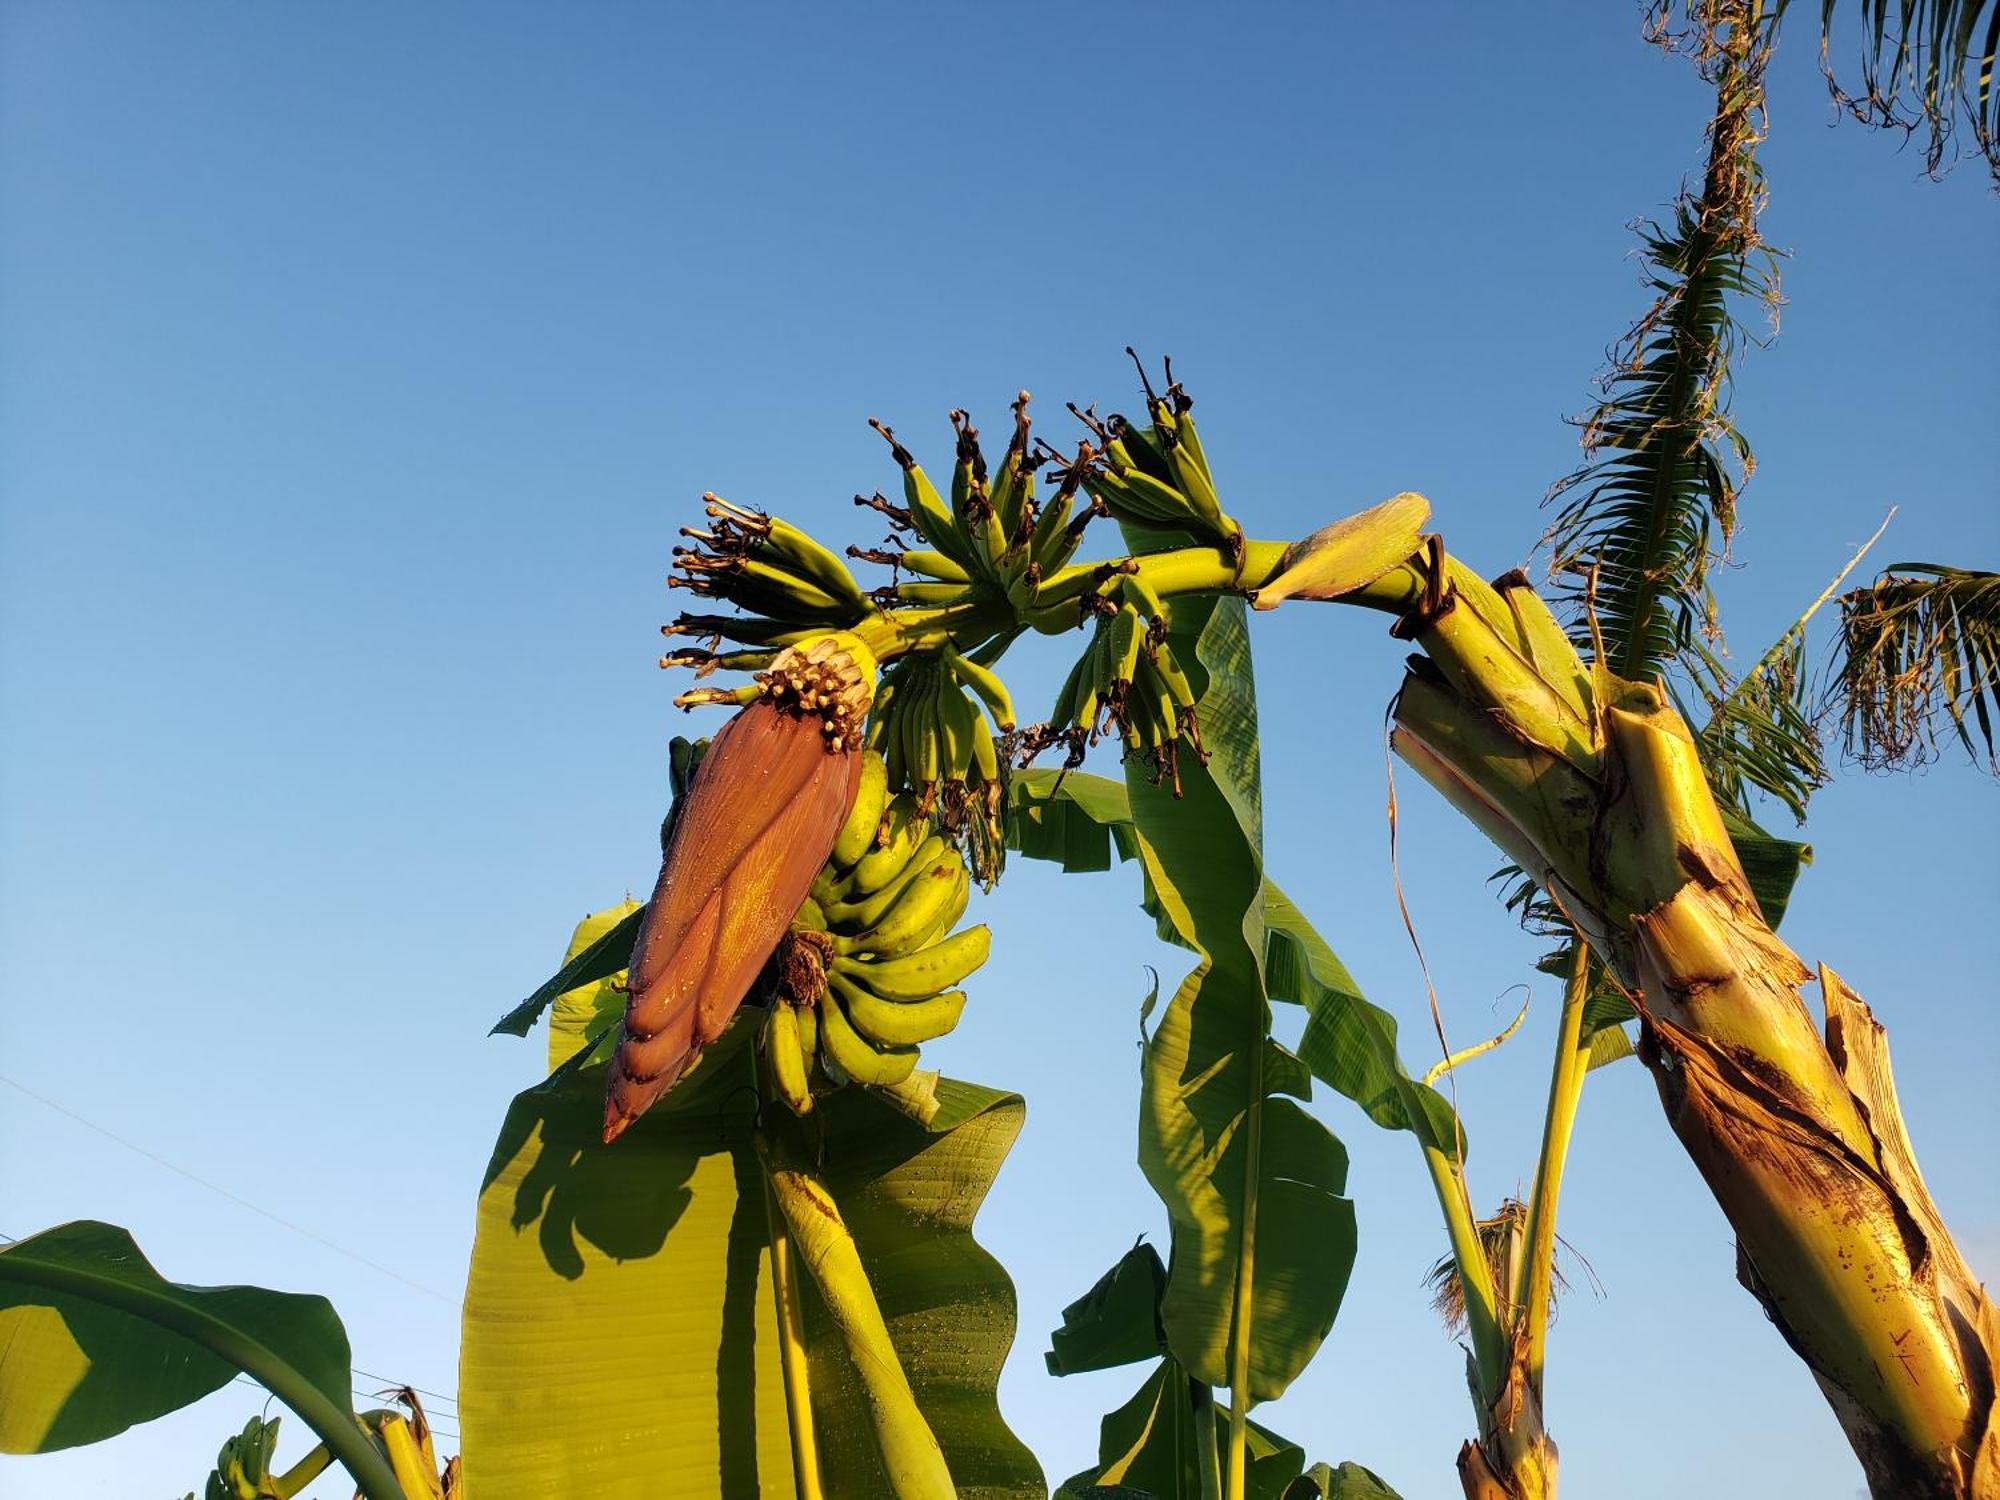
column 1592, row 784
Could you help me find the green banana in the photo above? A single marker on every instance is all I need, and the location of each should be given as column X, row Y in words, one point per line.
column 1049, row 527
column 808, row 1022
column 793, row 549
column 985, row 758
column 785, row 1053
column 851, row 1054
column 916, row 975
column 864, row 818
column 935, row 565
column 1127, row 635
column 1176, row 680
column 893, row 1023
column 884, row 863
column 866, row 912
column 986, row 683
column 963, row 729
column 914, row 907
column 930, row 593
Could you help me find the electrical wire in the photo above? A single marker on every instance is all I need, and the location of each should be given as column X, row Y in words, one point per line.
column 223, row 1192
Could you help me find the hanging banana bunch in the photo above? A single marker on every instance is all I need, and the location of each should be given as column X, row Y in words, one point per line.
column 991, row 546
column 869, row 969
column 243, row 1466
column 1157, row 476
column 1127, row 682
column 769, row 567
column 936, row 745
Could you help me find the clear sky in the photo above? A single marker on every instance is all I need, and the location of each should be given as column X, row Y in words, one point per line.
column 358, row 362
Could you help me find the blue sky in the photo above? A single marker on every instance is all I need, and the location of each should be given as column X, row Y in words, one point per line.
column 357, row 364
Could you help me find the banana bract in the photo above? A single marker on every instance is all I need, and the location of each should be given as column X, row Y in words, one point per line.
column 758, row 821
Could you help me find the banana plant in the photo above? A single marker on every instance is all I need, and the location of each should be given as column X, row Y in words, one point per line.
column 95, row 1341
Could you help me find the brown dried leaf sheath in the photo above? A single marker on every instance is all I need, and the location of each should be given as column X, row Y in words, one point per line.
column 759, row 821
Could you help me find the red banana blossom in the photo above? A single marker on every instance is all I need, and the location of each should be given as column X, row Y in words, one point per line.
column 758, row 822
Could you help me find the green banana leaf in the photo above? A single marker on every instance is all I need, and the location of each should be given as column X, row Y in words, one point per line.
column 93, row 1340
column 1147, row 1448
column 605, row 955
column 1117, row 1321
column 620, row 1336
column 1349, row 1481
column 583, row 1015
column 1213, row 1124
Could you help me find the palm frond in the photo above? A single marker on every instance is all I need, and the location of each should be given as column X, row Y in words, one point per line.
column 1925, row 65
column 1654, row 501
column 1919, row 655
column 1761, row 731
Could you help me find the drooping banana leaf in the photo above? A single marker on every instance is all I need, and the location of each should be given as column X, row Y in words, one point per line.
column 93, row 1340
column 1214, row 1128
column 1252, row 1183
column 620, row 1332
column 585, row 1014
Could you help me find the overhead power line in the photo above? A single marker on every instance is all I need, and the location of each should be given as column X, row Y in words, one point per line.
column 223, row 1192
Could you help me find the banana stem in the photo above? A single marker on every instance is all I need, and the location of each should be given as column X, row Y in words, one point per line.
column 1475, row 1275
column 1565, row 1091
column 1246, row 1280
column 912, row 1461
column 1208, row 1463
column 792, row 1359
column 302, row 1473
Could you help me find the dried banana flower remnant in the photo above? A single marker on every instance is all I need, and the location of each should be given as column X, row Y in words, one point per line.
column 758, row 822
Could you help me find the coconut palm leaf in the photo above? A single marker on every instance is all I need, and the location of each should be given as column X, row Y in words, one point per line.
column 1925, row 66
column 1918, row 657
column 1761, row 732
column 1655, row 498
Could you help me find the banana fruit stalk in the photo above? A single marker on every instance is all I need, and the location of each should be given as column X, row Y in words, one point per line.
column 912, row 1461
column 760, row 816
column 870, row 968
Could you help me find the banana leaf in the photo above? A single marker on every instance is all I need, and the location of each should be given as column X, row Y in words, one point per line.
column 1147, row 1448
column 581, row 1017
column 93, row 1340
column 620, row 1336
column 1214, row 1125
column 1348, row 1481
